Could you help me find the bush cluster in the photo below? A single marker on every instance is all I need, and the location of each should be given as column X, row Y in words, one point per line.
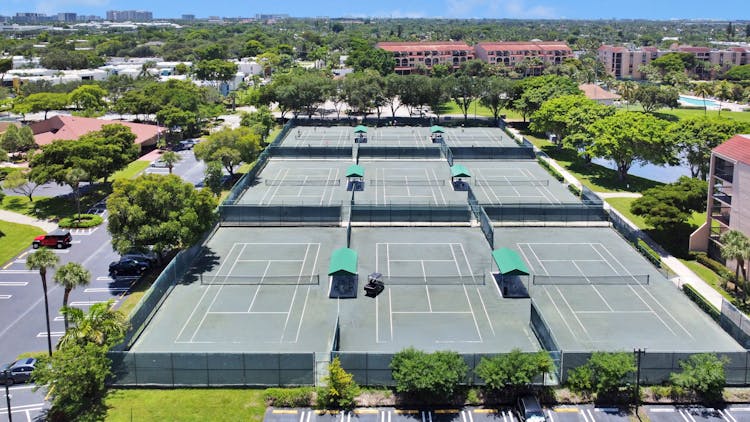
column 715, row 266
column 648, row 252
column 556, row 174
column 289, row 397
column 701, row 301
column 84, row 221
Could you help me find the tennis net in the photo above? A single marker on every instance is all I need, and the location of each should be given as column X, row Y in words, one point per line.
column 406, row 182
column 634, row 279
column 427, row 280
column 252, row 280
column 303, row 182
column 510, row 182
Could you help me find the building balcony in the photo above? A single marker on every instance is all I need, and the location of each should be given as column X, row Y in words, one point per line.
column 721, row 218
column 726, row 175
column 722, row 197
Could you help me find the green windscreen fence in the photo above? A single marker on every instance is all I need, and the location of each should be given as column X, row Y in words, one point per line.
column 138, row 369
column 378, row 213
column 279, row 215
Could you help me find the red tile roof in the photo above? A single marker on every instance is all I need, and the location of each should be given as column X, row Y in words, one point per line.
column 595, row 92
column 531, row 45
column 737, row 148
column 71, row 128
column 423, row 46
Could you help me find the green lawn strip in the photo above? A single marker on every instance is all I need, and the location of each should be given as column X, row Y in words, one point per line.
column 14, row 238
column 683, row 113
column 132, row 171
column 623, row 206
column 452, row 108
column 593, row 176
column 135, row 294
column 710, row 277
column 52, row 208
column 195, row 404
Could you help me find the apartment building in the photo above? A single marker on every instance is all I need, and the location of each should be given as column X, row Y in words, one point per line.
column 728, row 196
column 412, row 55
column 512, row 54
column 625, row 62
column 129, row 15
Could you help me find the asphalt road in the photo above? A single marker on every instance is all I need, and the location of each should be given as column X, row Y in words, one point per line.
column 189, row 169
column 25, row 405
column 732, row 413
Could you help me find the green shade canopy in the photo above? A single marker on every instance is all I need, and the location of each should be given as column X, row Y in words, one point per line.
column 343, row 261
column 457, row 170
column 509, row 262
column 437, row 129
column 355, row 170
column 360, row 129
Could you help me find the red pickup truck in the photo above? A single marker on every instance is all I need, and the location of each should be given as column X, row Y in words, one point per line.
column 57, row 238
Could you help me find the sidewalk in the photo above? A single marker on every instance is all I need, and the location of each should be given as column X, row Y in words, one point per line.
column 14, row 217
column 684, row 274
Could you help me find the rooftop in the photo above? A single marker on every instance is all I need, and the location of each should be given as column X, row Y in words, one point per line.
column 736, row 148
column 595, row 92
column 69, row 127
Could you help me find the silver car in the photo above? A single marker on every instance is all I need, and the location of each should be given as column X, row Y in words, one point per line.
column 17, row 372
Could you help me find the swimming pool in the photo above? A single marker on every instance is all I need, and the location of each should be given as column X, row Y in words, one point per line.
column 698, row 102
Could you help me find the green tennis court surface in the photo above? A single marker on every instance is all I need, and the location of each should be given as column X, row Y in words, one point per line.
column 596, row 315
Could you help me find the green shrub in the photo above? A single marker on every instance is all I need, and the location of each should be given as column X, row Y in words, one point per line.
column 472, row 397
column 715, row 266
column 660, row 391
column 574, row 190
column 86, row 220
column 648, row 252
column 556, row 174
column 701, row 301
column 289, row 397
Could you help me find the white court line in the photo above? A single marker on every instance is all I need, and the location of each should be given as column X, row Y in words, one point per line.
column 649, row 294
column 294, row 295
column 257, row 289
column 13, row 283
column 307, row 296
column 572, row 311
column 592, row 286
column 531, row 248
column 216, row 295
column 390, row 312
column 247, row 313
column 426, row 287
column 425, row 260
column 430, row 312
column 614, row 312
column 559, row 312
column 440, row 191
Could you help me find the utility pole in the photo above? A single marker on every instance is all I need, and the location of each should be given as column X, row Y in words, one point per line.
column 7, row 394
column 637, row 393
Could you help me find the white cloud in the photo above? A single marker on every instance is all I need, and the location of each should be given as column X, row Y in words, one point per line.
column 496, row 9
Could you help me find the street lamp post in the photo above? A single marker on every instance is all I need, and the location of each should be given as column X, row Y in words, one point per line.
column 7, row 394
column 637, row 394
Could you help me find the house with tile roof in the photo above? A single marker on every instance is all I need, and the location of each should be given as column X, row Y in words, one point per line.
column 71, row 128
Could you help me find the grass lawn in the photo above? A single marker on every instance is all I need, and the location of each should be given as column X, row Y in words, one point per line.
column 52, row 208
column 623, row 206
column 682, row 113
column 14, row 238
column 593, row 176
column 708, row 276
column 132, row 171
column 193, row 404
column 452, row 108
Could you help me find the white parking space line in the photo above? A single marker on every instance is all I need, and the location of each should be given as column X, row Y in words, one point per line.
column 726, row 415
column 13, row 283
column 106, row 290
column 662, row 409
column 740, row 409
column 85, row 303
column 687, row 416
column 19, row 272
column 43, row 334
column 5, row 297
column 60, row 251
column 104, row 279
column 19, row 261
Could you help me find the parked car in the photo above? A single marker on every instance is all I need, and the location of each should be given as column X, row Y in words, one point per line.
column 159, row 164
column 148, row 257
column 530, row 410
column 17, row 372
column 59, row 239
column 97, row 209
column 127, row 267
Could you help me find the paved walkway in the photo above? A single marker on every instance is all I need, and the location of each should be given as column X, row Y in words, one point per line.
column 15, row 217
column 684, row 274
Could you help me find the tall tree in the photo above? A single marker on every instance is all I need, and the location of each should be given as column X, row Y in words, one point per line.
column 170, row 158
column 724, row 92
column 667, row 207
column 73, row 177
column 229, row 147
column 41, row 260
column 212, row 177
column 702, row 374
column 18, row 182
column 695, row 137
column 89, row 97
column 514, row 370
column 464, row 90
column 704, row 90
column 566, row 115
column 629, row 137
column 736, row 246
column 70, row 276
column 159, row 211
column 45, row 101
column 530, row 93
column 496, row 94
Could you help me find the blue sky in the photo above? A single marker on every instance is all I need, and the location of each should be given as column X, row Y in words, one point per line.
column 576, row 9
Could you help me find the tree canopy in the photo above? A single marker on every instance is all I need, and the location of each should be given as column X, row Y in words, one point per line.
column 668, row 206
column 230, row 147
column 428, row 375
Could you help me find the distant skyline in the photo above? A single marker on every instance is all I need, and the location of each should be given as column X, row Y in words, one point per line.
column 517, row 9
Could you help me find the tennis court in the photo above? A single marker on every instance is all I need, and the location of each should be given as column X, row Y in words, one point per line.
column 597, row 293
column 300, row 182
column 439, row 295
column 407, row 182
column 253, row 290
column 319, row 136
column 513, row 182
column 477, row 137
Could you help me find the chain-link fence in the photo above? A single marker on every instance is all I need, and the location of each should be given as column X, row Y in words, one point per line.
column 378, row 213
column 563, row 212
column 280, row 215
column 491, row 153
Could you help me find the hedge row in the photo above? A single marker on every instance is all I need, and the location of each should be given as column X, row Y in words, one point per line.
column 574, row 190
column 86, row 220
column 648, row 252
column 701, row 301
column 715, row 266
column 556, row 174
column 289, row 397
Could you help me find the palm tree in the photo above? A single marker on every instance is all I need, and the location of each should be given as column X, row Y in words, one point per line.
column 736, row 246
column 41, row 260
column 170, row 158
column 101, row 325
column 627, row 91
column 724, row 92
column 70, row 276
column 704, row 89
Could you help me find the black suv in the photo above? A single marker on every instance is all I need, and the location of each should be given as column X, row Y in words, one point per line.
column 18, row 371
column 127, row 267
